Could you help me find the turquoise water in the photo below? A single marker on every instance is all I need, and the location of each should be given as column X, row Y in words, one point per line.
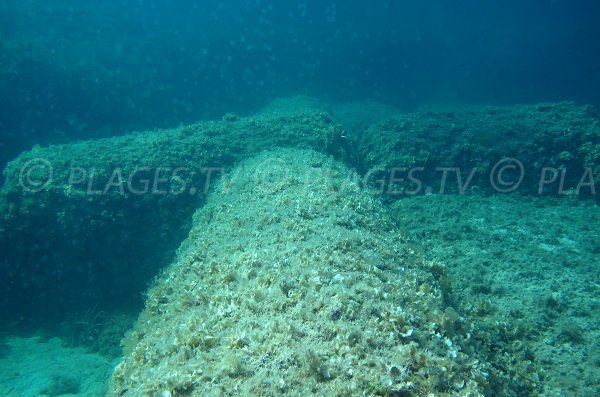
column 466, row 136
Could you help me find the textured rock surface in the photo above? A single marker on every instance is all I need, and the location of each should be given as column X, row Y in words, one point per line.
column 137, row 191
column 525, row 271
column 293, row 281
column 101, row 236
column 563, row 136
column 68, row 234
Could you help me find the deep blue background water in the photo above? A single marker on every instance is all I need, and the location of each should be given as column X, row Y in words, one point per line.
column 73, row 69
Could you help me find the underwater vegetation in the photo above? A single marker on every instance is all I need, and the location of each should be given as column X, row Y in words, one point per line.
column 117, row 205
column 298, row 274
column 524, row 272
column 300, row 199
column 96, row 330
column 316, row 295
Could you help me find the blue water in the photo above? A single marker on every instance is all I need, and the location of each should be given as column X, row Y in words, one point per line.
column 73, row 69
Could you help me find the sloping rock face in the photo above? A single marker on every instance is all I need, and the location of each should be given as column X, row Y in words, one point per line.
column 294, row 281
column 70, row 214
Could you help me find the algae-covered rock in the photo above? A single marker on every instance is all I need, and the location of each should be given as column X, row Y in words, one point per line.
column 294, row 281
column 549, row 149
column 101, row 216
column 525, row 270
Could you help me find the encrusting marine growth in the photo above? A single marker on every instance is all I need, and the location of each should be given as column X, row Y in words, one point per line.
column 293, row 281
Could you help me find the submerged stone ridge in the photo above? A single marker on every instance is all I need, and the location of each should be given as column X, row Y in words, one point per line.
column 547, row 148
column 69, row 214
column 76, row 231
column 294, row 281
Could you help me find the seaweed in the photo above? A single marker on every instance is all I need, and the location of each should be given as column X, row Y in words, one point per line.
column 83, row 329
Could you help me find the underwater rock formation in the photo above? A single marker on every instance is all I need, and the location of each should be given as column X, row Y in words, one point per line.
column 70, row 214
column 549, row 149
column 295, row 281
